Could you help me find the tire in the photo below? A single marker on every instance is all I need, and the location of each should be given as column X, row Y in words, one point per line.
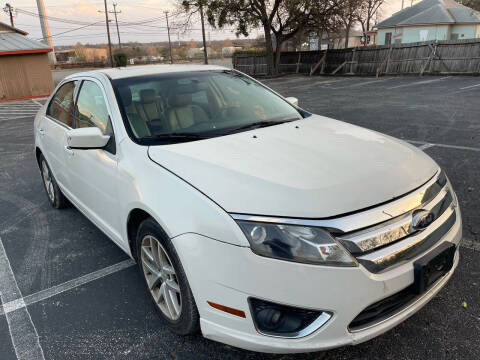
column 54, row 194
column 186, row 321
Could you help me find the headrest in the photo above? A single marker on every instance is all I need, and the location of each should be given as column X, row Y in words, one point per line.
column 126, row 95
column 180, row 99
column 148, row 96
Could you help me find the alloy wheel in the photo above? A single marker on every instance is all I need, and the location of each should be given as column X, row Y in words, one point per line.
column 161, row 277
column 48, row 181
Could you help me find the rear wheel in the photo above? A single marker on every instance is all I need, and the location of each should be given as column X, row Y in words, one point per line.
column 54, row 194
column 165, row 279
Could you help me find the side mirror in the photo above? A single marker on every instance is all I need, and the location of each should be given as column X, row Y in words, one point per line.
column 292, row 100
column 87, row 138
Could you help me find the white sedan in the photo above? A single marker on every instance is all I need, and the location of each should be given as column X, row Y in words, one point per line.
column 252, row 220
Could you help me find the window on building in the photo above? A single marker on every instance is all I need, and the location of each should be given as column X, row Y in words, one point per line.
column 388, row 38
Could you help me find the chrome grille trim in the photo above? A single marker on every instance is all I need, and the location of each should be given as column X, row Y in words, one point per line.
column 385, row 233
column 411, row 246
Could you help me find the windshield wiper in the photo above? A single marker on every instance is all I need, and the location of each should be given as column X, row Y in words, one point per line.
column 260, row 124
column 175, row 136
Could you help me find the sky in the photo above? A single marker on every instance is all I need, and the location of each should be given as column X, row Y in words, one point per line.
column 150, row 13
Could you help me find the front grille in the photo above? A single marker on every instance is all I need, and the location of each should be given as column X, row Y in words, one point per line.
column 392, row 242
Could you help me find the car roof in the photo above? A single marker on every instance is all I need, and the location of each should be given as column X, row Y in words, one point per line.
column 141, row 70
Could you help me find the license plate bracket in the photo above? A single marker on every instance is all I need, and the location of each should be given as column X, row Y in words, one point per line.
column 433, row 266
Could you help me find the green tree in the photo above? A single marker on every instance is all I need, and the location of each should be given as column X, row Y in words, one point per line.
column 283, row 19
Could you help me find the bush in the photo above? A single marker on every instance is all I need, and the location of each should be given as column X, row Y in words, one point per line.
column 120, row 59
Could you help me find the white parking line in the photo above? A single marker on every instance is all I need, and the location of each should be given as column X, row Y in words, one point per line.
column 37, row 102
column 469, row 87
column 418, row 83
column 362, row 83
column 18, row 303
column 458, row 147
column 20, row 325
column 426, row 146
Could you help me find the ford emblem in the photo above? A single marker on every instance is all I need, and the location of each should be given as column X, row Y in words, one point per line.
column 421, row 219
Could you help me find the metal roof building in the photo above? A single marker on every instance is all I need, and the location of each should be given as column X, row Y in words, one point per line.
column 24, row 65
column 430, row 20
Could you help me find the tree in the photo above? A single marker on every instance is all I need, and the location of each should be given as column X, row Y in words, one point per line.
column 368, row 10
column 474, row 4
column 282, row 18
column 192, row 7
column 80, row 52
column 192, row 44
column 349, row 14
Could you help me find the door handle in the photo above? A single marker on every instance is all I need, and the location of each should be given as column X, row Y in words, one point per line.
column 41, row 131
column 69, row 151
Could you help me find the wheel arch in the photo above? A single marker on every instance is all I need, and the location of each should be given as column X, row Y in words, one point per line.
column 38, row 152
column 135, row 217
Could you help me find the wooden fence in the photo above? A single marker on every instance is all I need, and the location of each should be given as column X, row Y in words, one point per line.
column 437, row 57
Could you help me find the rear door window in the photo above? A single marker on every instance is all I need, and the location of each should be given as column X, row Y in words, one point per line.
column 62, row 105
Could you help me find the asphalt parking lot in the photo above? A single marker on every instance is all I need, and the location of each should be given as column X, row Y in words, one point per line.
column 67, row 292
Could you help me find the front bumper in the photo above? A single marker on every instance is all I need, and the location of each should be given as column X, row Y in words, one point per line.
column 229, row 275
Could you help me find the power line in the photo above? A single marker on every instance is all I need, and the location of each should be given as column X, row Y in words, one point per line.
column 69, row 31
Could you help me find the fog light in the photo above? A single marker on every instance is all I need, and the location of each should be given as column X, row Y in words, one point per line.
column 285, row 321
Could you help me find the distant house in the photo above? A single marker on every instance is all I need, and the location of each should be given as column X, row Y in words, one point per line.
column 337, row 40
column 430, row 20
column 24, row 65
column 197, row 53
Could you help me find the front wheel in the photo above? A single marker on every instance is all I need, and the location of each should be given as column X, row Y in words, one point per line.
column 54, row 194
column 165, row 279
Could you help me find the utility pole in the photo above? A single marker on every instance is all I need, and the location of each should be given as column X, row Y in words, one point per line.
column 9, row 10
column 108, row 34
column 116, row 22
column 169, row 43
column 205, row 54
column 47, row 36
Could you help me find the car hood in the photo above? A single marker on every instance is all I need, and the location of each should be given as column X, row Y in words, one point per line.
column 312, row 168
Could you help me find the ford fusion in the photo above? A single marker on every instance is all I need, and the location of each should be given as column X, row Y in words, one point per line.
column 252, row 220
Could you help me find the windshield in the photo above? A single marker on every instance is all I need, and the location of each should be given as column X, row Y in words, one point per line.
column 190, row 106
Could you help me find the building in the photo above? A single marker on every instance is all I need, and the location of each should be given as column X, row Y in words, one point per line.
column 430, row 20
column 197, row 53
column 24, row 65
column 81, row 54
column 371, row 37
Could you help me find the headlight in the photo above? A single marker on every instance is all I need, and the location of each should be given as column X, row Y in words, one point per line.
column 295, row 243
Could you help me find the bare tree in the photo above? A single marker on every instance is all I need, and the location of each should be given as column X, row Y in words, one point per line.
column 348, row 13
column 192, row 7
column 367, row 13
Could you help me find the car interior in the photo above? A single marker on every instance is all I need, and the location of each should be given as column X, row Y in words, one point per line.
column 153, row 111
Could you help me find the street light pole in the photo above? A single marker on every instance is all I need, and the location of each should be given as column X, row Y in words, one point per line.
column 169, row 42
column 108, row 34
